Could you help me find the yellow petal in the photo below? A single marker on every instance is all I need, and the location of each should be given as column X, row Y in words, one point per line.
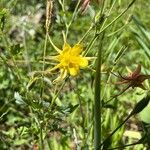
column 83, row 62
column 66, row 47
column 77, row 49
column 54, row 68
column 63, row 74
column 73, row 71
column 52, row 57
column 56, row 48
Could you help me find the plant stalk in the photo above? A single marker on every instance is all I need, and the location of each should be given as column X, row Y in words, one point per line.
column 97, row 100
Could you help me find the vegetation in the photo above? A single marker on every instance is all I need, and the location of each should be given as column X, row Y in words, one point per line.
column 74, row 75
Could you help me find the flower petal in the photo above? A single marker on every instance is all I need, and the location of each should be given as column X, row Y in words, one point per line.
column 54, row 68
column 52, row 57
column 141, row 86
column 56, row 48
column 136, row 72
column 66, row 47
column 73, row 71
column 69, row 61
column 83, row 62
column 63, row 74
column 77, row 49
column 141, row 78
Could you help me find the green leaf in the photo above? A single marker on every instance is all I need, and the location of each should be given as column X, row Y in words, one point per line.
column 144, row 115
column 120, row 53
column 144, row 46
column 20, row 142
column 141, row 105
column 68, row 110
column 73, row 108
column 3, row 12
column 18, row 98
column 141, row 27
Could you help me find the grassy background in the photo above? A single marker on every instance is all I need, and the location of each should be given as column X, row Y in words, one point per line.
column 27, row 118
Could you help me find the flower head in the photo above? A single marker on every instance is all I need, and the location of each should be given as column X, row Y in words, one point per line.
column 134, row 79
column 69, row 60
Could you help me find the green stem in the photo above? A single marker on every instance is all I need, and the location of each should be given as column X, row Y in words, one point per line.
column 44, row 52
column 41, row 138
column 56, row 95
column 87, row 32
column 121, row 14
column 90, row 44
column 97, row 99
column 123, row 147
column 103, row 29
column 108, row 12
column 75, row 13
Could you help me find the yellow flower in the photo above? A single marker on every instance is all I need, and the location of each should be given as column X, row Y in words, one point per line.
column 70, row 60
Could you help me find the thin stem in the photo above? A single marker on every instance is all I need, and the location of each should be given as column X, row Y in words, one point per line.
column 107, row 26
column 56, row 48
column 90, row 45
column 109, row 13
column 44, row 52
column 49, row 8
column 56, row 95
column 120, row 29
column 116, row 59
column 121, row 147
column 87, row 32
column 97, row 18
column 121, row 14
column 72, row 19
